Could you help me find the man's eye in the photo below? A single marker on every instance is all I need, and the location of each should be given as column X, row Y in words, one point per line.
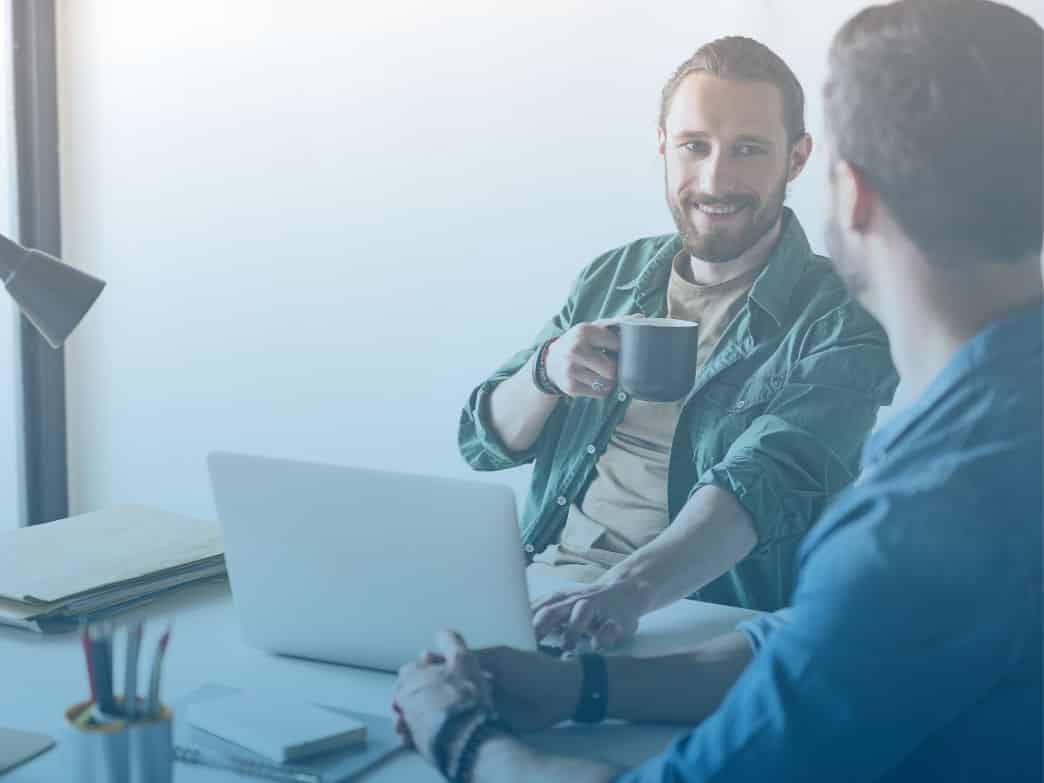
column 696, row 147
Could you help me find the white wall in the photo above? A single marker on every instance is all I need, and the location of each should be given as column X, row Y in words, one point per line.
column 323, row 223
column 11, row 494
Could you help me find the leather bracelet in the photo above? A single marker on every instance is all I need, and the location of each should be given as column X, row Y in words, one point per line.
column 464, row 769
column 540, row 377
column 440, row 743
column 594, row 690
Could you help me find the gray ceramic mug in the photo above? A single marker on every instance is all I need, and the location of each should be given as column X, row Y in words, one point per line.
column 657, row 359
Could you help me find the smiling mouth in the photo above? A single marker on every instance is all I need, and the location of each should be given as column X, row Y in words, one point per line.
column 719, row 210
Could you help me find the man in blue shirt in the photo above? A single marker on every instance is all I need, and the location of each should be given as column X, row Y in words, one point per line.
column 912, row 649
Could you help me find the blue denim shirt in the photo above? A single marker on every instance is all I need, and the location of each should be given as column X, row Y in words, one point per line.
column 912, row 650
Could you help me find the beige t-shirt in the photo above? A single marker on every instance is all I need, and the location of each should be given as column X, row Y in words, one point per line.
column 625, row 505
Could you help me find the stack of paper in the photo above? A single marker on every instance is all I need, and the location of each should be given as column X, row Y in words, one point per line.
column 53, row 575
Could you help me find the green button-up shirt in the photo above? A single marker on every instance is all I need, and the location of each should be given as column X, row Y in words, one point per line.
column 777, row 414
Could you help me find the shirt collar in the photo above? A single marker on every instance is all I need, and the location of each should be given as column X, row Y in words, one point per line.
column 1000, row 345
column 771, row 291
column 774, row 287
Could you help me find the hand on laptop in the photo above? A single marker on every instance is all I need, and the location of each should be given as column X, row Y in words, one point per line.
column 603, row 614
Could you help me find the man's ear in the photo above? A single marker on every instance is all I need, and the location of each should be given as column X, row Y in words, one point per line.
column 855, row 197
column 800, row 152
column 661, row 140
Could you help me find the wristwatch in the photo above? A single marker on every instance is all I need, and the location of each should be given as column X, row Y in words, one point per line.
column 594, row 690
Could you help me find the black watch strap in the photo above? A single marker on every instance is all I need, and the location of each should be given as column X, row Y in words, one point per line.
column 594, row 690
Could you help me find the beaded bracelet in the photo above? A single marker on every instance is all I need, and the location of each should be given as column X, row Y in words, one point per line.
column 541, row 379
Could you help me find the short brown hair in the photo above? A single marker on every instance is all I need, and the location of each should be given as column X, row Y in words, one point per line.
column 938, row 103
column 737, row 57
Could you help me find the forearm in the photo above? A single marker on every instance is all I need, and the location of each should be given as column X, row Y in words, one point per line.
column 517, row 410
column 711, row 533
column 505, row 759
column 683, row 688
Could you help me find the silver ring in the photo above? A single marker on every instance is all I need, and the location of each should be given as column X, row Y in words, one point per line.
column 597, row 386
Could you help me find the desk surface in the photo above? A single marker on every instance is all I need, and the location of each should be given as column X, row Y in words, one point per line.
column 41, row 675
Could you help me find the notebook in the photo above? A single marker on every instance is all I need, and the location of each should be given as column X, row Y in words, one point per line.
column 275, row 727
column 381, row 744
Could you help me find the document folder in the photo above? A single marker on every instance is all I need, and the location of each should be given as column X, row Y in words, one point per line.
column 54, row 574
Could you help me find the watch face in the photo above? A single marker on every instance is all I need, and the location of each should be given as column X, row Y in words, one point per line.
column 593, row 689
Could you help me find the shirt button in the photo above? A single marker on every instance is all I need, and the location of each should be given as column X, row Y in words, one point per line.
column 591, row 449
column 561, row 500
column 741, row 404
column 529, row 549
column 621, row 396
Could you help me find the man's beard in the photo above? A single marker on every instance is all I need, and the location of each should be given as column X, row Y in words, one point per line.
column 839, row 257
column 717, row 247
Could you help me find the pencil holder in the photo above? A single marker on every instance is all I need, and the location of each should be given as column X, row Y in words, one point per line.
column 141, row 751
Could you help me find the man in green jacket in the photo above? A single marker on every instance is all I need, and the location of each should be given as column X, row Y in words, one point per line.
column 710, row 496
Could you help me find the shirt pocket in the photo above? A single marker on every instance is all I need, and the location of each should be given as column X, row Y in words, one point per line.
column 753, row 397
column 726, row 411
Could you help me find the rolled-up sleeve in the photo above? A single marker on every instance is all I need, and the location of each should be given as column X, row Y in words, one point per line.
column 759, row 629
column 480, row 445
column 804, row 447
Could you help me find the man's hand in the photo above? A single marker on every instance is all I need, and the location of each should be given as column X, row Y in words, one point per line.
column 531, row 691
column 604, row 613
column 582, row 361
column 439, row 684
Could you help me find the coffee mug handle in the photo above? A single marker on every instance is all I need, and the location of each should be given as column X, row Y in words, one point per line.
column 615, row 325
column 615, row 329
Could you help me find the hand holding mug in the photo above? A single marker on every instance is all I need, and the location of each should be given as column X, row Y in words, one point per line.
column 654, row 359
column 582, row 362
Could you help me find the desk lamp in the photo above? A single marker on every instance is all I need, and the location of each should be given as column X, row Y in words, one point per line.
column 52, row 295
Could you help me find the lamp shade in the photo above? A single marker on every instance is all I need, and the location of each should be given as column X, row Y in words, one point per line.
column 53, row 295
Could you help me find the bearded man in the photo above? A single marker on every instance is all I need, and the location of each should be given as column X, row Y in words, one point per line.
column 709, row 496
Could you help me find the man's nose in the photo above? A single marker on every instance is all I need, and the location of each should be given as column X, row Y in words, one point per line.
column 713, row 174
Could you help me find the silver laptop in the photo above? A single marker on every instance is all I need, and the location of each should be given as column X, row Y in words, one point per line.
column 362, row 566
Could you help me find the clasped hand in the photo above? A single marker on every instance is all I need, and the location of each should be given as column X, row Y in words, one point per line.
column 528, row 691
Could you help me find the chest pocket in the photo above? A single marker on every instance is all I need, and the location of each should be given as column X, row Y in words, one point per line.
column 755, row 395
column 725, row 412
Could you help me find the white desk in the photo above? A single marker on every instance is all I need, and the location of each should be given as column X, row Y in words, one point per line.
column 40, row 676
